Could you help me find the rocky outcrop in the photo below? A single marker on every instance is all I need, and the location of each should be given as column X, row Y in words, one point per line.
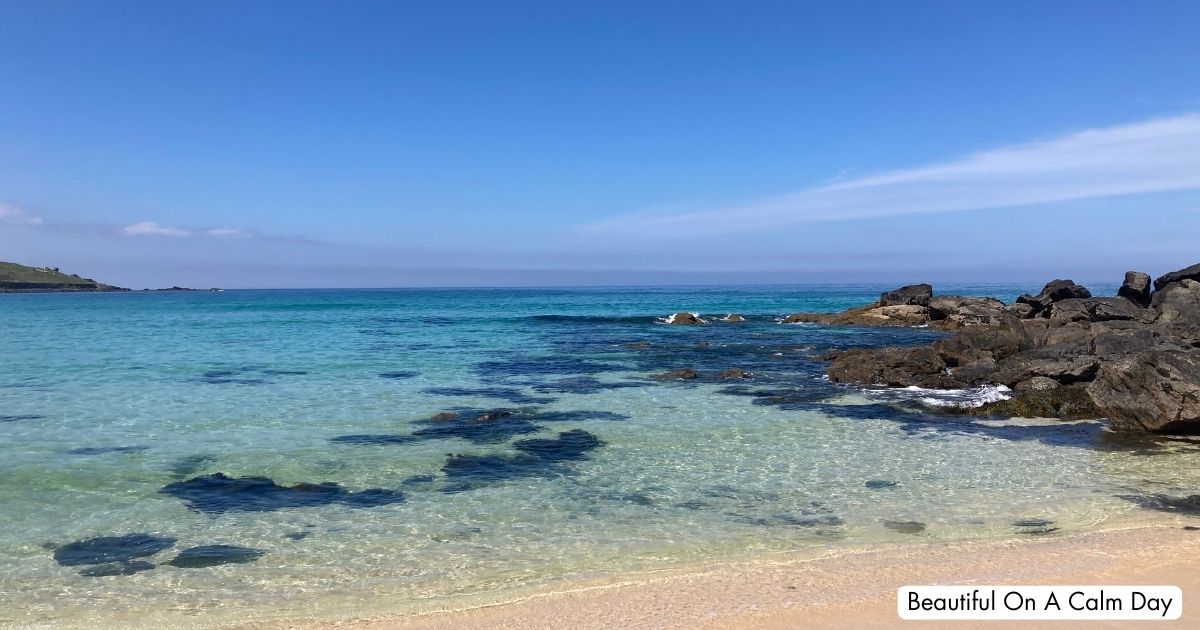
column 684, row 319
column 1136, row 288
column 1158, row 391
column 1187, row 273
column 1054, row 291
column 1133, row 358
column 954, row 312
column 733, row 317
column 1178, row 311
column 911, row 295
column 682, row 374
column 873, row 315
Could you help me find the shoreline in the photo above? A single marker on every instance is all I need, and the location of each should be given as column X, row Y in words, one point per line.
column 853, row 587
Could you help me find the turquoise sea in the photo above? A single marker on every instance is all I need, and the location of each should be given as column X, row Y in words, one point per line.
column 202, row 458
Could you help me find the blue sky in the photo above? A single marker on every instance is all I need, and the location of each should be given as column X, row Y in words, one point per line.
column 387, row 143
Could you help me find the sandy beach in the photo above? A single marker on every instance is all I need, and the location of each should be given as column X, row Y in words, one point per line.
column 848, row 589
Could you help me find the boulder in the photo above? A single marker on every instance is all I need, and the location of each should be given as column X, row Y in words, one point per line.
column 911, row 295
column 733, row 374
column 1019, row 310
column 973, row 345
column 1178, row 310
column 954, row 311
column 1157, row 390
column 733, row 317
column 1054, row 291
column 1187, row 273
column 682, row 374
column 684, row 319
column 897, row 367
column 1100, row 309
column 1064, row 403
column 1136, row 288
column 1065, row 371
column 1111, row 340
column 1037, row 384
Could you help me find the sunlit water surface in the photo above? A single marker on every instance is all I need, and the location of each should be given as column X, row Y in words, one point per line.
column 108, row 400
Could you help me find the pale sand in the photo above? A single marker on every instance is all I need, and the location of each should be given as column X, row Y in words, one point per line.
column 847, row 590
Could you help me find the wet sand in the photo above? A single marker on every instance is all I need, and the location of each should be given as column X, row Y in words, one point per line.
column 854, row 589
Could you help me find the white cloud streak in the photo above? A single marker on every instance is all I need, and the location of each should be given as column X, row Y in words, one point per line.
column 227, row 232
column 150, row 228
column 15, row 214
column 1157, row 155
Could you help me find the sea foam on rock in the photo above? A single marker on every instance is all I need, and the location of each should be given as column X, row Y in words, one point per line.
column 1066, row 353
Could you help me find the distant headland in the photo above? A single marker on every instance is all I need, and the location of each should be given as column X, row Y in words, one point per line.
column 17, row 278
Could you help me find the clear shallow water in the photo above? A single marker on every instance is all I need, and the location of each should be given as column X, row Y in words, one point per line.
column 598, row 470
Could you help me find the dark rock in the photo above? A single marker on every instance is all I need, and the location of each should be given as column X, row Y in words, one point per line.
column 106, row 549
column 682, row 374
column 1189, row 505
column 1034, row 526
column 214, row 555
column 397, row 375
column 104, row 450
column 954, row 312
column 1064, row 403
column 1187, row 273
column 218, row 493
column 1109, row 341
column 1019, row 310
column 733, row 317
column 911, row 295
column 1023, row 367
column 1037, row 384
column 19, row 417
column 569, row 445
column 733, row 374
column 1178, row 309
column 1157, row 390
column 684, row 319
column 880, row 484
column 1098, row 310
column 973, row 345
column 1136, row 288
column 905, row 527
column 1054, row 291
column 897, row 367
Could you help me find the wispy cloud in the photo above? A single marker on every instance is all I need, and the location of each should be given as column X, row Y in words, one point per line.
column 150, row 228
column 227, row 232
column 1157, row 155
column 16, row 214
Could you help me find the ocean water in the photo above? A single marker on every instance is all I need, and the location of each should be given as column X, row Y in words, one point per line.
column 162, row 455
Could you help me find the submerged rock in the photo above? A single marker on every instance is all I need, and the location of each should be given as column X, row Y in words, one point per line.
column 106, row 549
column 905, row 527
column 214, row 555
column 682, row 374
column 218, row 493
column 684, row 319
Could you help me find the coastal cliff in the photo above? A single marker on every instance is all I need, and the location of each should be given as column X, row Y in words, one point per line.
column 1133, row 358
column 15, row 278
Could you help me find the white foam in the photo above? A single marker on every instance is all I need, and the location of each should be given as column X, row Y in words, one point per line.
column 968, row 398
